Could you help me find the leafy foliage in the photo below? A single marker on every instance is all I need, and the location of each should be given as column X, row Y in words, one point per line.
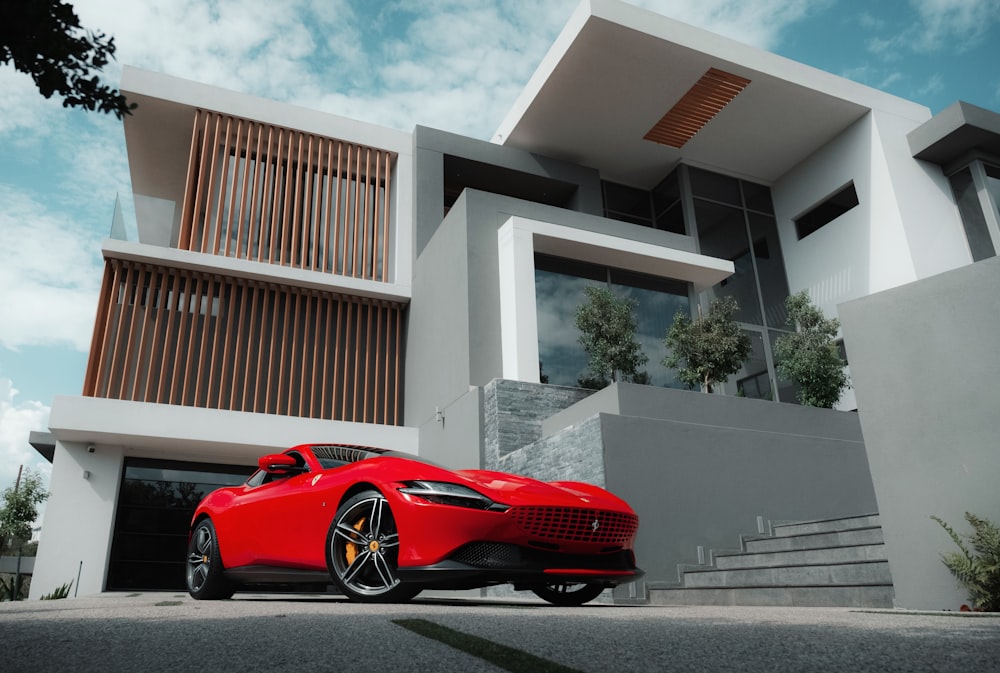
column 19, row 509
column 809, row 357
column 607, row 333
column 978, row 572
column 44, row 39
column 707, row 350
column 59, row 592
column 7, row 592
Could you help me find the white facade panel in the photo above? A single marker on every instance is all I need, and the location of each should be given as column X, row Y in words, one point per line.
column 75, row 542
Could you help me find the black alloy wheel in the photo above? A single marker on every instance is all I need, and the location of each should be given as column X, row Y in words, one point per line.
column 568, row 594
column 362, row 551
column 205, row 575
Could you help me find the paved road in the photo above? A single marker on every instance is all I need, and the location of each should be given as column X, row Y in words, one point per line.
column 170, row 632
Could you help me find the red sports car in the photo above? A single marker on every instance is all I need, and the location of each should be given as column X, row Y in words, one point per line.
column 385, row 525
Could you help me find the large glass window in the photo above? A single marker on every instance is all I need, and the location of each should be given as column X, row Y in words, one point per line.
column 722, row 233
column 155, row 506
column 976, row 230
column 734, row 220
column 560, row 288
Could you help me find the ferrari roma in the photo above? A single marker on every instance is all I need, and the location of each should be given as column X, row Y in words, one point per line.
column 382, row 526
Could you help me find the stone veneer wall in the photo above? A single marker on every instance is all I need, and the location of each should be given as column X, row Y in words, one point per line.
column 574, row 454
column 514, row 411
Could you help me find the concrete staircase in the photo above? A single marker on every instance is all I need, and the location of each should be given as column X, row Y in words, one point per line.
column 838, row 562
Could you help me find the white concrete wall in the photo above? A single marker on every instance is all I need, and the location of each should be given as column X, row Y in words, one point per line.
column 75, row 540
column 920, row 193
column 905, row 227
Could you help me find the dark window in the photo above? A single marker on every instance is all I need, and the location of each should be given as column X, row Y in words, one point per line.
column 627, row 204
column 668, row 212
column 827, row 211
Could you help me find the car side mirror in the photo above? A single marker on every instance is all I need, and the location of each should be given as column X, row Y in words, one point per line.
column 277, row 463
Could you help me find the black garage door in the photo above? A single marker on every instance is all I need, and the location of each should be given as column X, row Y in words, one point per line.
column 155, row 504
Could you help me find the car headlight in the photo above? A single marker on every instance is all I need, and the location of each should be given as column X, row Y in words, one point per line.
column 445, row 493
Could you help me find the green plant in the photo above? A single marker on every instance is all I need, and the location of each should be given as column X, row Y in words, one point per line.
column 60, row 592
column 19, row 508
column 707, row 350
column 7, row 590
column 977, row 571
column 607, row 333
column 809, row 356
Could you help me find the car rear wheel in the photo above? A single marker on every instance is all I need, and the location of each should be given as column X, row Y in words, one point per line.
column 362, row 551
column 205, row 578
column 568, row 594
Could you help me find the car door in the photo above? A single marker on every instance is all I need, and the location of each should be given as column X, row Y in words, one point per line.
column 286, row 517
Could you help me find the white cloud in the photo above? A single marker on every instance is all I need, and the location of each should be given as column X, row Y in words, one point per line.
column 760, row 23
column 50, row 272
column 17, row 420
column 958, row 24
column 456, row 65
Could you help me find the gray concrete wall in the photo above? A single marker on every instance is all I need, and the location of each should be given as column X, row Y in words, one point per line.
column 437, row 348
column 698, row 469
column 925, row 367
column 430, row 147
column 454, row 439
column 694, row 484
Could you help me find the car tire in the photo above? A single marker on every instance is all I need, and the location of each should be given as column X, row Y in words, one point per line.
column 362, row 551
column 205, row 575
column 568, row 594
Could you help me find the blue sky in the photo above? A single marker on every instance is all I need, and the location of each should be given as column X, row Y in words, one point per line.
column 452, row 64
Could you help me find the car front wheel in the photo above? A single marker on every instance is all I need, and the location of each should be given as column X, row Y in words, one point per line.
column 205, row 578
column 362, row 551
column 568, row 594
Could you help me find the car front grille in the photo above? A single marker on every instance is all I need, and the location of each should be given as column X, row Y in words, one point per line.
column 576, row 524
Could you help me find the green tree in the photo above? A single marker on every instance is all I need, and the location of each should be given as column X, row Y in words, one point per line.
column 607, row 333
column 705, row 351
column 19, row 509
column 809, row 357
column 44, row 39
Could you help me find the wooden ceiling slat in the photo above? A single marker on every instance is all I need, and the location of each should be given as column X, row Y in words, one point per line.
column 702, row 102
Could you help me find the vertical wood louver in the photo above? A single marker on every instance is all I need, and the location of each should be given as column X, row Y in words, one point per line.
column 715, row 90
column 188, row 338
column 269, row 194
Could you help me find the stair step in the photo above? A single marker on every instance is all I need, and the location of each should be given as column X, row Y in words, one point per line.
column 879, row 596
column 868, row 572
column 852, row 537
column 845, row 554
column 825, row 525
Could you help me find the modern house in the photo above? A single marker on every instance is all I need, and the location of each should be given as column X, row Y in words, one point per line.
column 304, row 277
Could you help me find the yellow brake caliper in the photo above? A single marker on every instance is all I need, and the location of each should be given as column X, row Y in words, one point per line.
column 351, row 550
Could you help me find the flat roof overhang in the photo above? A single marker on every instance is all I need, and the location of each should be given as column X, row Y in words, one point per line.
column 956, row 134
column 616, row 70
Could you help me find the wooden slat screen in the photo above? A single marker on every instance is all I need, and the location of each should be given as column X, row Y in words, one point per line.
column 174, row 336
column 270, row 194
column 715, row 90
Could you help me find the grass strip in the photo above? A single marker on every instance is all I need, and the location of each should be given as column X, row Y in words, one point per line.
column 507, row 658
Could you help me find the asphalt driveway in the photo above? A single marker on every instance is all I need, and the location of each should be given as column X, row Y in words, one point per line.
column 171, row 632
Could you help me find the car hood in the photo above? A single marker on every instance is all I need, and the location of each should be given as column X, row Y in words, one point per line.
column 512, row 489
